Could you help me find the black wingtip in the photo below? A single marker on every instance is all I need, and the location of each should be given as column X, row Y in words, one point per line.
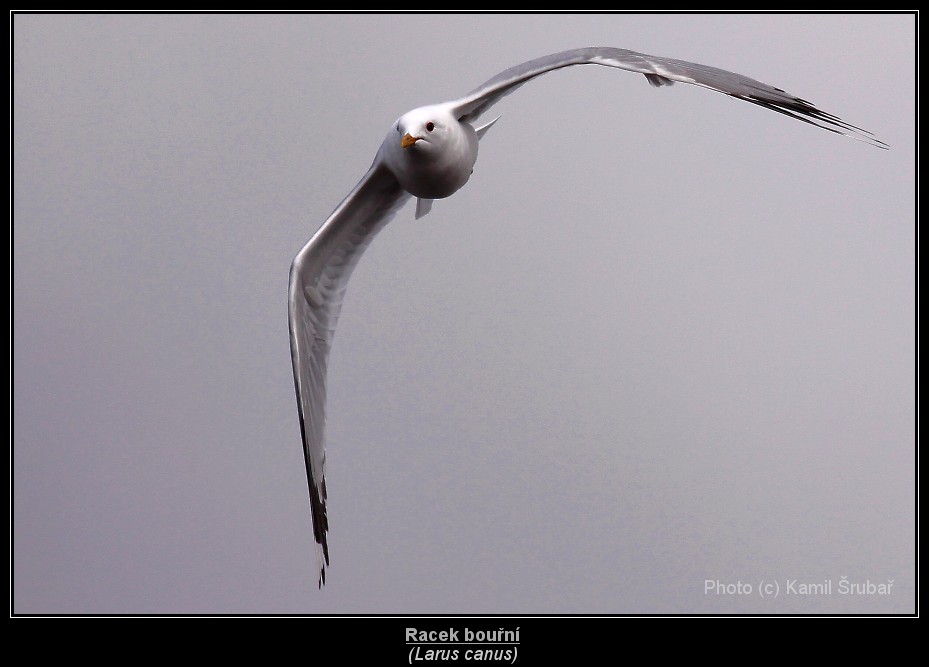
column 320, row 526
column 800, row 109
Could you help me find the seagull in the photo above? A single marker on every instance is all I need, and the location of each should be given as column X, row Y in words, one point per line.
column 429, row 153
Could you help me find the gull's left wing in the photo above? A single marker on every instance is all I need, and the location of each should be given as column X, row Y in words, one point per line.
column 659, row 72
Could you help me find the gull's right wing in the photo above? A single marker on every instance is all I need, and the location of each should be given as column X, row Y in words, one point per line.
column 318, row 279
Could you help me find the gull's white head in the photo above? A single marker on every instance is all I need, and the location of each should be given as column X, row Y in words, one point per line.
column 427, row 125
column 430, row 152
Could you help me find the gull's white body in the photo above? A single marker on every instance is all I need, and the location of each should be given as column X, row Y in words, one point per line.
column 429, row 153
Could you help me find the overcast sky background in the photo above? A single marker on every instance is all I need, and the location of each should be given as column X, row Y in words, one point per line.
column 662, row 336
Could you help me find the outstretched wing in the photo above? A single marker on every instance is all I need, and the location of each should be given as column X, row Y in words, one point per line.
column 318, row 279
column 659, row 72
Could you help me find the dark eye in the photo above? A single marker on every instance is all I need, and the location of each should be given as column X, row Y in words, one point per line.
column 430, row 126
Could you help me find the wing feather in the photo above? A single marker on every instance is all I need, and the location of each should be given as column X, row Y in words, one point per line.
column 659, row 72
column 318, row 279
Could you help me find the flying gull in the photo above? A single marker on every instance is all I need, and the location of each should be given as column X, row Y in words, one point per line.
column 429, row 153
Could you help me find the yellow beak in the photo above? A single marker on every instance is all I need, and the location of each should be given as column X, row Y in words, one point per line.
column 408, row 140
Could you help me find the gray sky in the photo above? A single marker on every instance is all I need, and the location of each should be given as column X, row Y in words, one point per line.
column 661, row 336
